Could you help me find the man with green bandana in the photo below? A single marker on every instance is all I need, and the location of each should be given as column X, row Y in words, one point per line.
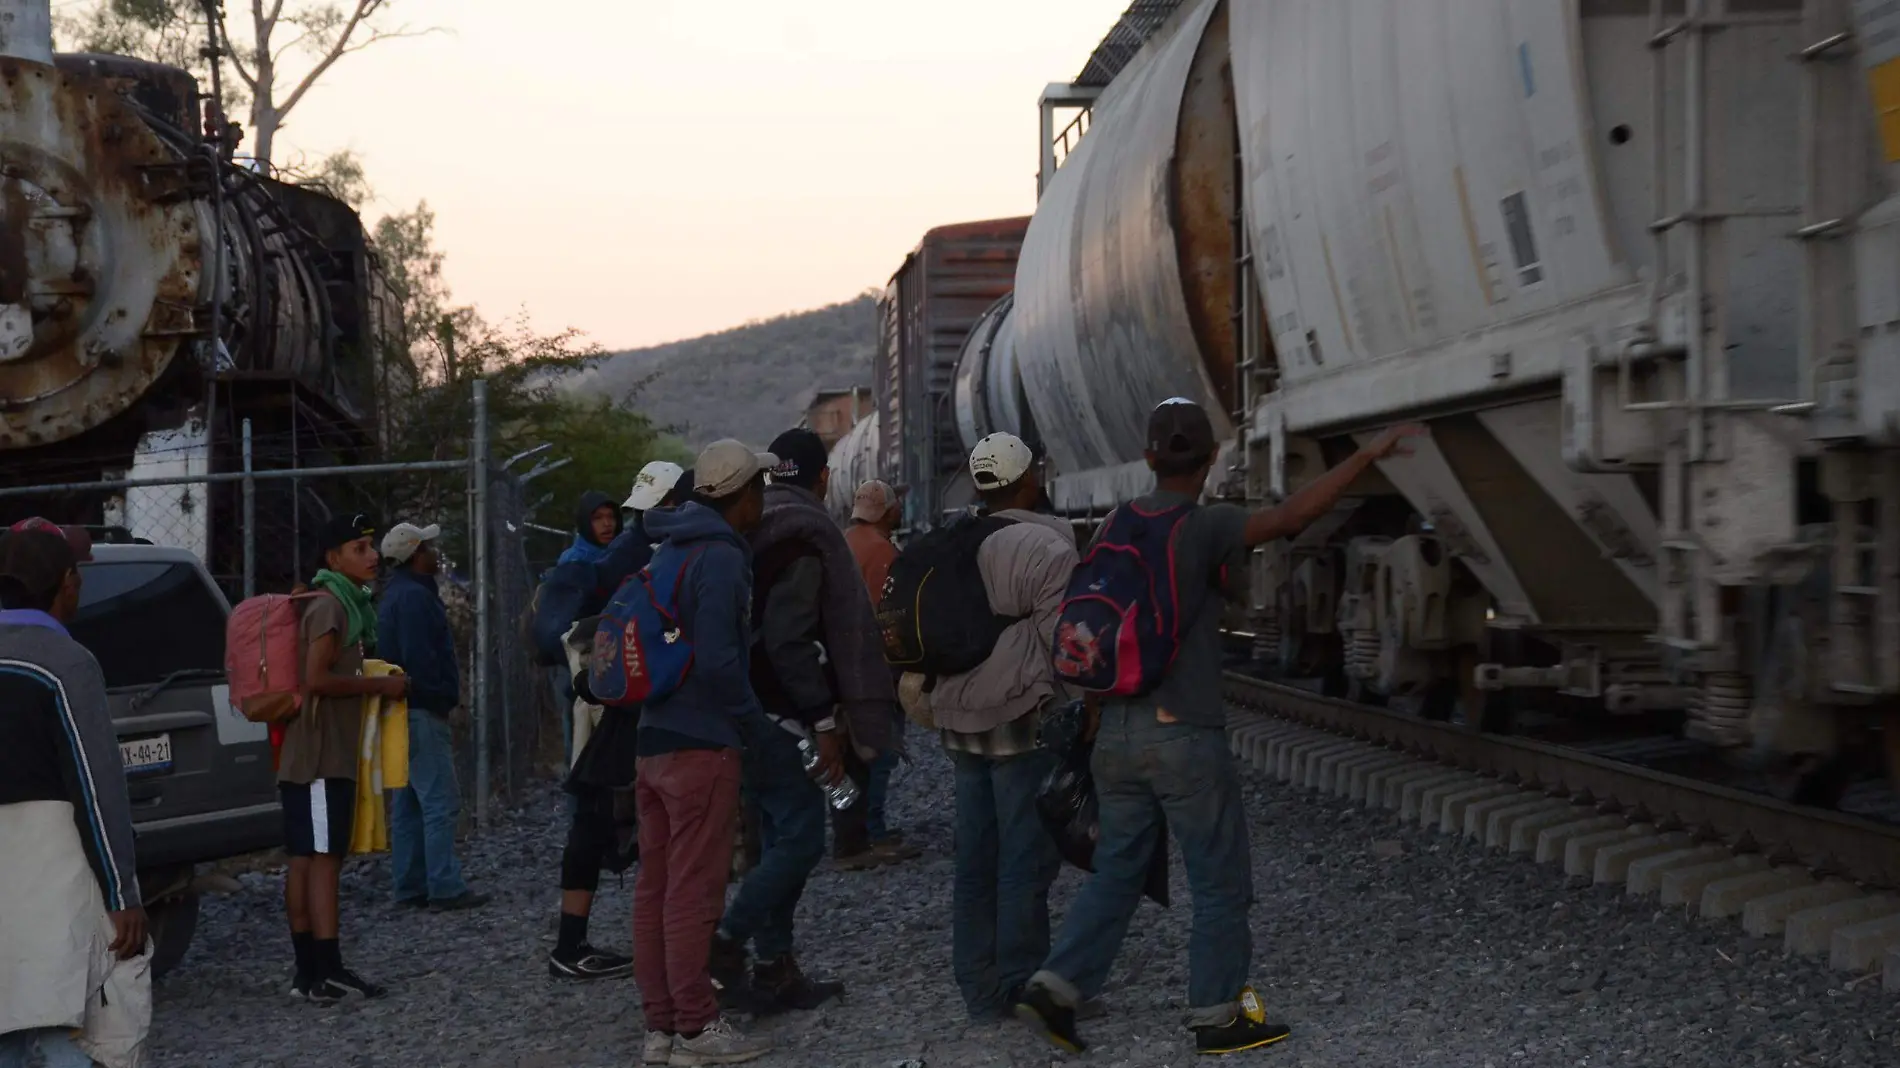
column 316, row 771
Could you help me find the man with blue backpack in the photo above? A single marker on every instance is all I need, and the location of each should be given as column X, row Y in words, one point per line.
column 676, row 640
column 1140, row 631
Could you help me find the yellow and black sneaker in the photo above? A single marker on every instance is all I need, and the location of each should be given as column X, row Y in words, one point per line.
column 1038, row 1008
column 1249, row 1029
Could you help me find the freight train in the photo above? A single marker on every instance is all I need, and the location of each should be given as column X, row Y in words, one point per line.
column 155, row 294
column 1636, row 263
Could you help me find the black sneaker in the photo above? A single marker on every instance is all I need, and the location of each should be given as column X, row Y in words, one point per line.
column 1249, row 1029
column 467, row 899
column 413, row 902
column 788, row 987
column 587, row 962
column 1038, row 1008
column 318, row 991
column 350, row 983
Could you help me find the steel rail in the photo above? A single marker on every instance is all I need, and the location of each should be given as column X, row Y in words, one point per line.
column 1826, row 842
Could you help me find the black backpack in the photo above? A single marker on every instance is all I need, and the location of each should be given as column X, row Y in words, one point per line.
column 935, row 615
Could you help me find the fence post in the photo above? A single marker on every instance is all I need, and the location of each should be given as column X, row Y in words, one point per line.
column 479, row 461
column 250, row 519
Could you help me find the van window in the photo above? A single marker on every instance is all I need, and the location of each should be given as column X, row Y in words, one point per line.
column 145, row 619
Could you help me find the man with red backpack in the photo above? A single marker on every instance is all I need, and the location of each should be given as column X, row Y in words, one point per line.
column 316, row 771
column 1140, row 629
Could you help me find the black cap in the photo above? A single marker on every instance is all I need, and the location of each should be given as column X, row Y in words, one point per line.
column 344, row 528
column 34, row 563
column 681, row 492
column 801, row 456
column 1178, row 430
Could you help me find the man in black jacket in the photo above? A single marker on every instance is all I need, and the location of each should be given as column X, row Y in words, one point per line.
column 818, row 668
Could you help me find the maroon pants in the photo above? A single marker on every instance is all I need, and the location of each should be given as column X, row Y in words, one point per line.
column 686, row 802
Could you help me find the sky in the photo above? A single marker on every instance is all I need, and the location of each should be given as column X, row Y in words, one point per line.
column 648, row 170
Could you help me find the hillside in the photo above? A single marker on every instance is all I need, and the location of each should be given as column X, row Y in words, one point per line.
column 750, row 382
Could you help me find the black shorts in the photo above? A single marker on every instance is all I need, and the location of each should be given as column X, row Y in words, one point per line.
column 318, row 816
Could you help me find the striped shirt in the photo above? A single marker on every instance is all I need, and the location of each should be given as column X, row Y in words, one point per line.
column 57, row 743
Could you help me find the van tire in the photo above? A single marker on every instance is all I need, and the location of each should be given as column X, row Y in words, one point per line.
column 171, row 924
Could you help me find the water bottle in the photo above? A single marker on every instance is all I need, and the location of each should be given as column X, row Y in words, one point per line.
column 841, row 796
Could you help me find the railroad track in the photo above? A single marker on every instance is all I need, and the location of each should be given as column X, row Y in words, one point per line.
column 1825, row 882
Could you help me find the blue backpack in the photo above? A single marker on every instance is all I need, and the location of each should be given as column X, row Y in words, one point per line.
column 1120, row 624
column 642, row 652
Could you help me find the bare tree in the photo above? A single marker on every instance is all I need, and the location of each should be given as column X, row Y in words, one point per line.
column 318, row 31
column 280, row 51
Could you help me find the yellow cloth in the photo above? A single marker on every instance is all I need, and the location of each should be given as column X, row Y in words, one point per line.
column 382, row 762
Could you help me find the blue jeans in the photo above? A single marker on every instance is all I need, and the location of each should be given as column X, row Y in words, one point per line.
column 792, row 822
column 54, row 1043
column 1005, row 863
column 877, row 791
column 422, row 816
column 1144, row 770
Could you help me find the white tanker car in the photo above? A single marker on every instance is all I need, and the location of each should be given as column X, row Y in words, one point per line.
column 1635, row 262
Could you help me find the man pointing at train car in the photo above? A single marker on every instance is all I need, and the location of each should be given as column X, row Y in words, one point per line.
column 1161, row 744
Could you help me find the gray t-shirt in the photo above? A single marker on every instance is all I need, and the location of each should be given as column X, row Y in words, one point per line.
column 1209, row 558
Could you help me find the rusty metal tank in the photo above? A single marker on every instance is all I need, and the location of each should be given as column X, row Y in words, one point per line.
column 1124, row 294
column 988, row 396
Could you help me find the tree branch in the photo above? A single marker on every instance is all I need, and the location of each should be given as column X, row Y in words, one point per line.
column 337, row 50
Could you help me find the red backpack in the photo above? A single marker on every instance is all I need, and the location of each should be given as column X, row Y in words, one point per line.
column 261, row 661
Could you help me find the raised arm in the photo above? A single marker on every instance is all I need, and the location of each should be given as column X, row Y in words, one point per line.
column 1318, row 497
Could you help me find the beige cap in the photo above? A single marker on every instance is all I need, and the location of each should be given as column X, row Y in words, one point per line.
column 652, row 484
column 874, row 501
column 726, row 466
column 999, row 460
column 404, row 539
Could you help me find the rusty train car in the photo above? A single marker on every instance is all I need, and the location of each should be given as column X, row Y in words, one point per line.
column 155, row 294
column 1636, row 263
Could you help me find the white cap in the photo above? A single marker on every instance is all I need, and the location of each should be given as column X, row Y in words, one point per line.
column 404, row 539
column 999, row 460
column 874, row 501
column 652, row 484
column 725, row 466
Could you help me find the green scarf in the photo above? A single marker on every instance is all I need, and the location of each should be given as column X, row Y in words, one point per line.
column 357, row 605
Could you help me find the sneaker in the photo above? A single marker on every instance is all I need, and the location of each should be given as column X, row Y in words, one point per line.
column 719, row 1043
column 467, row 899
column 586, row 962
column 789, row 988
column 862, row 860
column 1249, row 1029
column 352, row 985
column 413, row 902
column 1038, row 1008
column 658, row 1048
column 304, row 988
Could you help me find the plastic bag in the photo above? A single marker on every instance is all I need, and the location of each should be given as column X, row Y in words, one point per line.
column 1068, row 806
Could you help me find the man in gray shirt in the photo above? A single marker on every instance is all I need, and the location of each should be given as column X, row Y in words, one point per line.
column 1164, row 755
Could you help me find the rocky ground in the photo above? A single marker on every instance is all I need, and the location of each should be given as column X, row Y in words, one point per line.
column 1381, row 944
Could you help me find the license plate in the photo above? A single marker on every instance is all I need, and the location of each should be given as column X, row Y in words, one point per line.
column 146, row 754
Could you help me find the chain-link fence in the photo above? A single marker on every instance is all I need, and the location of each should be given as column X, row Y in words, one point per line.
column 250, row 509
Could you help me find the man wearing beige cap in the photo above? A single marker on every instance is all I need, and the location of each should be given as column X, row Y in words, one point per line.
column 874, row 515
column 412, row 632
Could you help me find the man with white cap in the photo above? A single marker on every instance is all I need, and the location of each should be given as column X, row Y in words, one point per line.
column 412, row 632
column 1005, row 860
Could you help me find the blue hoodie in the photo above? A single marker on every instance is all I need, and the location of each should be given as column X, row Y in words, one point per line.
column 716, row 606
column 412, row 632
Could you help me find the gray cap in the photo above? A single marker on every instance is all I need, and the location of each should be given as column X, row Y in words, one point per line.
column 404, row 539
column 726, row 466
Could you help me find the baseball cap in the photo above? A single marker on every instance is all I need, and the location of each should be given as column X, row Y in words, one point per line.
column 1178, row 429
column 77, row 538
column 801, row 455
column 874, row 501
column 404, row 539
column 344, row 528
column 999, row 460
column 652, row 484
column 35, row 559
column 726, row 466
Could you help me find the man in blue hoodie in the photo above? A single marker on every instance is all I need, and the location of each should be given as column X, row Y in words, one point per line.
column 596, row 525
column 686, row 787
column 412, row 632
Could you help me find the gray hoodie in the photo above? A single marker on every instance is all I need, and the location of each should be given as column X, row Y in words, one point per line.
column 1026, row 569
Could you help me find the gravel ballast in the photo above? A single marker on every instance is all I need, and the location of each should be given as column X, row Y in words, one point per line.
column 1382, row 945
